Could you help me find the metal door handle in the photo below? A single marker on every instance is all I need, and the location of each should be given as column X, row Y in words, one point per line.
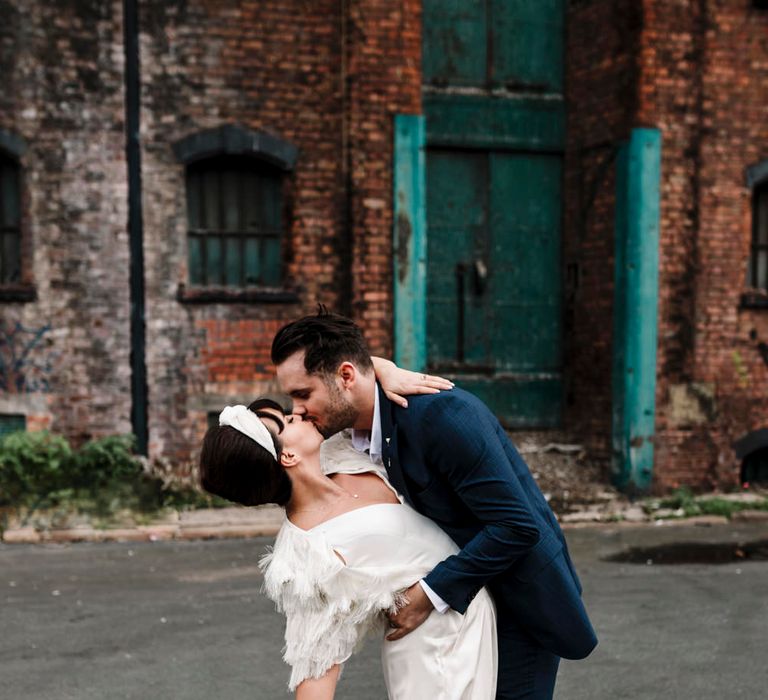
column 481, row 276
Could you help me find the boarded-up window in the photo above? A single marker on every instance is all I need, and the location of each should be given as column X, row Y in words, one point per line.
column 12, row 422
column 235, row 217
column 512, row 44
column 758, row 263
column 754, row 468
column 10, row 231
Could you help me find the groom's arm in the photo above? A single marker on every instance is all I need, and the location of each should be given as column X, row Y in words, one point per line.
column 461, row 443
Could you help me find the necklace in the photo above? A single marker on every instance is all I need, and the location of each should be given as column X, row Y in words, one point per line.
column 328, row 506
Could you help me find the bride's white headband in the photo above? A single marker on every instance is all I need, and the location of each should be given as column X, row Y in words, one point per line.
column 248, row 423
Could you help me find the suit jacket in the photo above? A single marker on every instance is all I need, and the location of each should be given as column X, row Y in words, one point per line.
column 452, row 461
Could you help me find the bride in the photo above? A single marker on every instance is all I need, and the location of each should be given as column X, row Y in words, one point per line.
column 348, row 548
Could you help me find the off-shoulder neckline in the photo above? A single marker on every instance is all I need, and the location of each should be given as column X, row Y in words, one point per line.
column 336, row 517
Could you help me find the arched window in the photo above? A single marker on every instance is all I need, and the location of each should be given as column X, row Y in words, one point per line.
column 754, row 468
column 10, row 220
column 752, row 450
column 235, row 208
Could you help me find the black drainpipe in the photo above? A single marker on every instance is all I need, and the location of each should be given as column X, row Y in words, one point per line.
column 135, row 225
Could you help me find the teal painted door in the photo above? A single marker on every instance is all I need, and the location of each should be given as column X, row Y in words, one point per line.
column 512, row 44
column 495, row 130
column 493, row 284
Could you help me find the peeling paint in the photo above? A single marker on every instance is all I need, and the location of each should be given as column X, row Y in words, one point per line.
column 403, row 233
column 691, row 404
column 25, row 364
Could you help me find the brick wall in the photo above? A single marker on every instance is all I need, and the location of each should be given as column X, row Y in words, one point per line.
column 601, row 94
column 384, row 80
column 709, row 98
column 697, row 71
column 326, row 76
column 272, row 67
column 62, row 94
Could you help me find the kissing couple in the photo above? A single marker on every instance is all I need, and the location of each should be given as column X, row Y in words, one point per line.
column 415, row 520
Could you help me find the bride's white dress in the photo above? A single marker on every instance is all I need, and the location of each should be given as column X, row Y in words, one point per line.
column 335, row 581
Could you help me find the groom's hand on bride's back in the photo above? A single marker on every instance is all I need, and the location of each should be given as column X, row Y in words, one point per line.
column 412, row 614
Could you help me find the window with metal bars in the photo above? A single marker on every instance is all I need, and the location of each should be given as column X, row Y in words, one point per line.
column 235, row 222
column 12, row 422
column 758, row 261
column 10, row 221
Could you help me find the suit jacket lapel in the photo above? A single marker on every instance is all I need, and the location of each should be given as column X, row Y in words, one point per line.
column 389, row 452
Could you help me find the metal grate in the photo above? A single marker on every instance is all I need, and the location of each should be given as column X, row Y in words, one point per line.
column 235, row 218
column 758, row 262
column 11, row 423
column 10, row 231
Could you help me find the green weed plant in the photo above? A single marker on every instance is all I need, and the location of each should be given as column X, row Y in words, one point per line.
column 684, row 499
column 104, row 477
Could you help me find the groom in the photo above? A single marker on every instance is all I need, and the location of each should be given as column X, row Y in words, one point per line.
column 451, row 460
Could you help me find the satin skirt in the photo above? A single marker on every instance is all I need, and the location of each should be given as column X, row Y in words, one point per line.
column 449, row 657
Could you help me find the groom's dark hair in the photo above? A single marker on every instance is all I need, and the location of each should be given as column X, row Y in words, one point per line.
column 327, row 339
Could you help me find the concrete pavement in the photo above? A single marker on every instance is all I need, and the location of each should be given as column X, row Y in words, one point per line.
column 185, row 619
column 206, row 523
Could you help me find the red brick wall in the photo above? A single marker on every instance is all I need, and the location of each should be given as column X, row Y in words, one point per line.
column 696, row 70
column 228, row 351
column 601, row 94
column 708, row 64
column 269, row 66
column 328, row 77
column 384, row 80
column 61, row 67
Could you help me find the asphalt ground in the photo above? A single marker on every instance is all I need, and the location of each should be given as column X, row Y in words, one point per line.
column 186, row 620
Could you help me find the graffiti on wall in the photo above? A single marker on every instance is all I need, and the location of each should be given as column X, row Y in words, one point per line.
column 26, row 363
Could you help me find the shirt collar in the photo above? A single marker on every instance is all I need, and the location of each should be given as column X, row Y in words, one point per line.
column 370, row 440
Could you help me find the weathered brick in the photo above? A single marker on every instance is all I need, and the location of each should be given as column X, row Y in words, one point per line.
column 697, row 71
column 331, row 84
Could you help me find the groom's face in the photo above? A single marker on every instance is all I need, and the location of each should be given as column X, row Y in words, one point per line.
column 315, row 398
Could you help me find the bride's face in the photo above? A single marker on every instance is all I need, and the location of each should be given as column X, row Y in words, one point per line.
column 273, row 419
column 298, row 436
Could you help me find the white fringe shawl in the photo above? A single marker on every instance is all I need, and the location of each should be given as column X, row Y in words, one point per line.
column 330, row 608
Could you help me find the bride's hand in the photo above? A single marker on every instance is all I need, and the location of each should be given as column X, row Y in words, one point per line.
column 398, row 383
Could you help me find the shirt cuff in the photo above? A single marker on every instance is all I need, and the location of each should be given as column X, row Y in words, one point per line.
column 440, row 605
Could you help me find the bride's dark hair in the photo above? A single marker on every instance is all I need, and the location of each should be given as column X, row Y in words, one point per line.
column 237, row 468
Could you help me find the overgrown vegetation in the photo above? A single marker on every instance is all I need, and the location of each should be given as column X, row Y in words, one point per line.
column 689, row 505
column 40, row 471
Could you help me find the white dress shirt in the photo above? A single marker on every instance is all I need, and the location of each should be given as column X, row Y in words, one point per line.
column 370, row 441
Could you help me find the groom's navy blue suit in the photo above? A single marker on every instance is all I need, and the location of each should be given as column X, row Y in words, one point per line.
column 452, row 461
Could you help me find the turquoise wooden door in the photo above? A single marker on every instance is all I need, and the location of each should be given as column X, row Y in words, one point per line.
column 493, row 285
column 514, row 44
column 495, row 125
